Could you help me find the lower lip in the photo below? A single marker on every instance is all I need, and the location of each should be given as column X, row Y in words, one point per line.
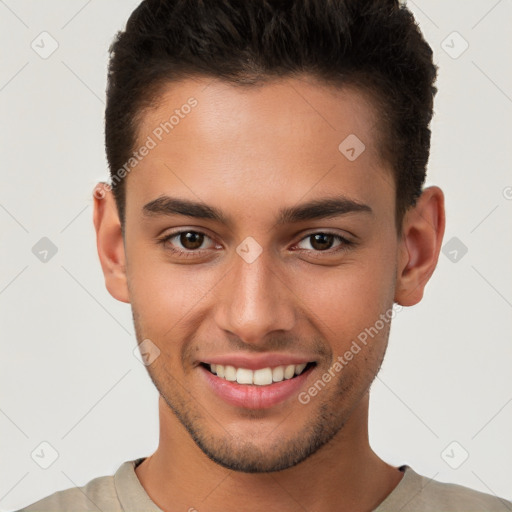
column 253, row 396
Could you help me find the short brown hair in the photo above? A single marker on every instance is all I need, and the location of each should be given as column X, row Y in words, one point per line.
column 373, row 44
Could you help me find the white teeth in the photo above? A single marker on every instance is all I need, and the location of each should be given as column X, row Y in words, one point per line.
column 289, row 371
column 278, row 374
column 230, row 373
column 244, row 376
column 299, row 368
column 261, row 377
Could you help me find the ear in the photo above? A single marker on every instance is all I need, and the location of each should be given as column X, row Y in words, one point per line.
column 109, row 241
column 422, row 234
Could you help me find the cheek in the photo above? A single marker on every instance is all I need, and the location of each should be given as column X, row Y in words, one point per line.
column 153, row 291
column 348, row 294
column 348, row 299
column 165, row 295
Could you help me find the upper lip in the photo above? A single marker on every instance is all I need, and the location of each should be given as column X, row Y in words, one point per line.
column 257, row 361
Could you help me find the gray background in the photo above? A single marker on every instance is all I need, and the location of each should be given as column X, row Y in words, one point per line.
column 68, row 375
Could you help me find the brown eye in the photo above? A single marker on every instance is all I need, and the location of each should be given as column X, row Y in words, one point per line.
column 191, row 240
column 321, row 241
column 324, row 242
column 187, row 243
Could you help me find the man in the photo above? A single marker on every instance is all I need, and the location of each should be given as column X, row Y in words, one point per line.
column 265, row 211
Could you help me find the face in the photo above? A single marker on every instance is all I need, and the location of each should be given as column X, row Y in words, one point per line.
column 255, row 244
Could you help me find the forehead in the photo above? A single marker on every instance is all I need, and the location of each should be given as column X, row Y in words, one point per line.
column 288, row 108
column 215, row 140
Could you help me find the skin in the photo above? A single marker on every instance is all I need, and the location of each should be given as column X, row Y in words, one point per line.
column 251, row 152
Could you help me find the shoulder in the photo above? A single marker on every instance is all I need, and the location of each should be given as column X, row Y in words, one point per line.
column 418, row 493
column 97, row 495
column 457, row 497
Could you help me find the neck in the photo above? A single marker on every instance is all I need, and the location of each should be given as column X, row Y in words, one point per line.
column 344, row 475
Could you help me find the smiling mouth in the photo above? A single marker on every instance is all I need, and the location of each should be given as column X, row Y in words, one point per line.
column 260, row 377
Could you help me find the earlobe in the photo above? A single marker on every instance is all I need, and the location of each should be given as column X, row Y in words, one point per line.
column 109, row 241
column 422, row 235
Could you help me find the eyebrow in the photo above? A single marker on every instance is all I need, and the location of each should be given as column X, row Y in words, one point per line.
column 316, row 209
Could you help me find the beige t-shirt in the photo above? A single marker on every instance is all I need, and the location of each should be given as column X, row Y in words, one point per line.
column 124, row 492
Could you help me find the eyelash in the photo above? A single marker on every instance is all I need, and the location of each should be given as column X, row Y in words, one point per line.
column 345, row 243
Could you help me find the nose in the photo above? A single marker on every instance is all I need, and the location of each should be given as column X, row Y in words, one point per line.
column 254, row 301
